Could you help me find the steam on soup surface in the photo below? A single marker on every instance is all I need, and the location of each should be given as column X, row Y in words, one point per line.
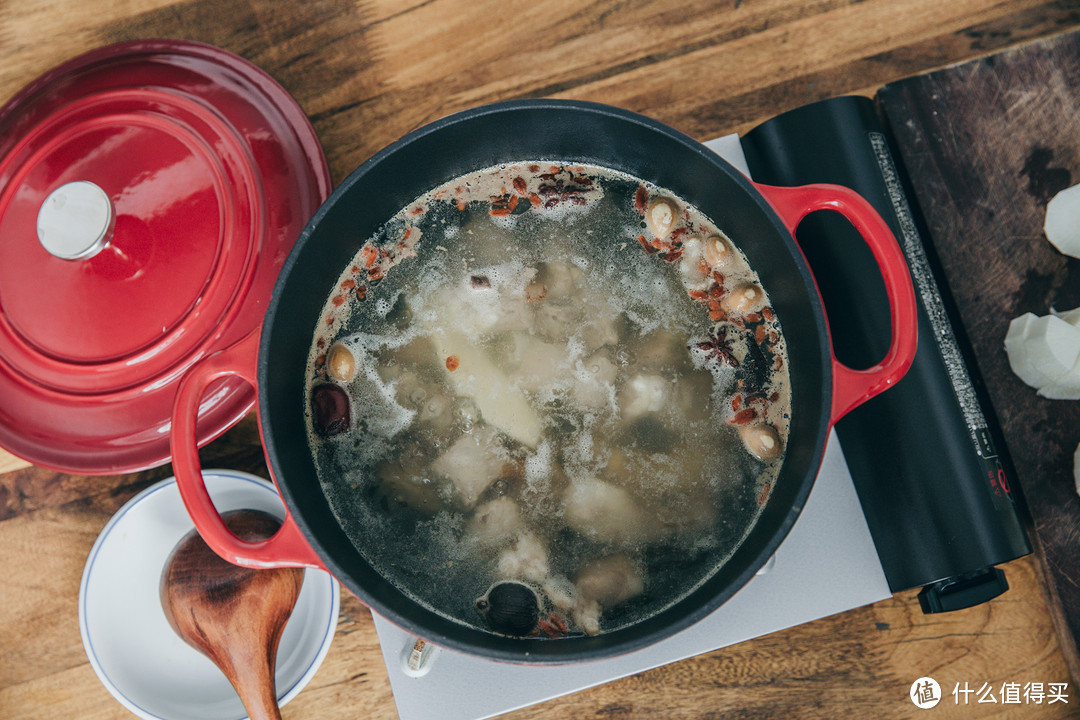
column 547, row 399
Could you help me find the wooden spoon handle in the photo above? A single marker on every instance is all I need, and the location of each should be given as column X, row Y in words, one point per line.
column 260, row 699
column 252, row 663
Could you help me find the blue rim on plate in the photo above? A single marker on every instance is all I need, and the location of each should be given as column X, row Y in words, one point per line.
column 213, row 477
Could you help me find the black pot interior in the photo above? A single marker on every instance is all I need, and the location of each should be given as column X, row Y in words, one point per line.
column 536, row 130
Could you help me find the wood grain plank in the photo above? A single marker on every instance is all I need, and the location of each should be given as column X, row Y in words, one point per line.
column 74, row 692
column 864, row 76
column 367, row 71
column 335, row 57
column 804, row 46
column 10, row 463
column 31, row 488
column 983, row 177
column 31, row 31
column 816, row 671
column 40, row 628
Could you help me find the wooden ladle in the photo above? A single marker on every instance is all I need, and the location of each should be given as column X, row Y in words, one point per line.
column 233, row 615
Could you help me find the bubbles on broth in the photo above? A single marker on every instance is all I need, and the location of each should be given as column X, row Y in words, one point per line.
column 549, row 395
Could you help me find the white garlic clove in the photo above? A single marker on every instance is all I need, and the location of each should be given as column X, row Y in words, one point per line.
column 1042, row 350
column 1064, row 388
column 1076, row 468
column 1062, row 226
column 1017, row 353
column 1070, row 316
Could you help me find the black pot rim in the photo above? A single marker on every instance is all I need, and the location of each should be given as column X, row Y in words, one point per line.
column 574, row 651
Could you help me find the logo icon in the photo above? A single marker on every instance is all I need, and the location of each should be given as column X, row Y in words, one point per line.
column 925, row 693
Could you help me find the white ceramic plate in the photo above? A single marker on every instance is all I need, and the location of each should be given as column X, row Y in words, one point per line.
column 131, row 647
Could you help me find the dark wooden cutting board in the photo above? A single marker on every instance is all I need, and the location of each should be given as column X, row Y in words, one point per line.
column 987, row 143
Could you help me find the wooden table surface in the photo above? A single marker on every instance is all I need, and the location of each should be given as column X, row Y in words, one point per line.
column 366, row 72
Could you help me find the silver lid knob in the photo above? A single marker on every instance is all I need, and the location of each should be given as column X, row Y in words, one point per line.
column 76, row 221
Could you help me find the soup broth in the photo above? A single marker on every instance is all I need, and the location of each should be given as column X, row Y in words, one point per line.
column 548, row 399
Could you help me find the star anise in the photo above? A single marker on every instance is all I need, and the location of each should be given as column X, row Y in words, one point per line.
column 718, row 347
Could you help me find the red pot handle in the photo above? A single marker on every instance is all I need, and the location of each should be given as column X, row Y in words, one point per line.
column 852, row 388
column 287, row 547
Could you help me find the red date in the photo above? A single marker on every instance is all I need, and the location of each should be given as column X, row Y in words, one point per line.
column 330, row 409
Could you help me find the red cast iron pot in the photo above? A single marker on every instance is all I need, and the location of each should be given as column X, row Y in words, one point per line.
column 758, row 218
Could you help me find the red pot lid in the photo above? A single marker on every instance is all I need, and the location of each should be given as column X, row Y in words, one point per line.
column 149, row 194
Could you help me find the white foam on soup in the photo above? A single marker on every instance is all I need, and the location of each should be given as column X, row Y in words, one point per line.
column 608, row 446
